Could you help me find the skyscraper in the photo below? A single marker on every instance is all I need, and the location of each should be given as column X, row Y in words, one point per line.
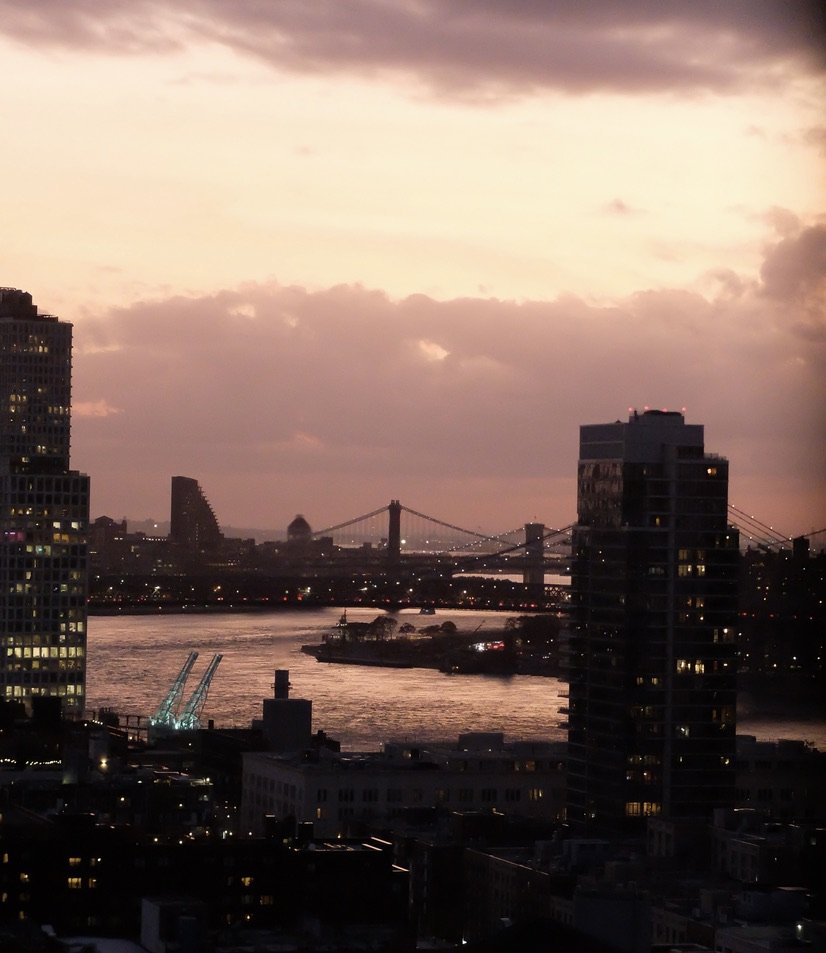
column 192, row 523
column 654, row 591
column 44, row 512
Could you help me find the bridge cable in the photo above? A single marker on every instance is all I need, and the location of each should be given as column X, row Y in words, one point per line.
column 356, row 519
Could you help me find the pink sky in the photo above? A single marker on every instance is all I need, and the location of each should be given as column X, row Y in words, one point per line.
column 322, row 255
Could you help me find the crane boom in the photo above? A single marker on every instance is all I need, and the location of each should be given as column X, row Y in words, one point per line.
column 190, row 717
column 165, row 715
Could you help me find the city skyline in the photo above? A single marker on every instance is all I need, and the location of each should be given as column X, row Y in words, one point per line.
column 323, row 257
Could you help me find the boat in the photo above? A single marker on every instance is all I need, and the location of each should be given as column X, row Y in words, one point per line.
column 427, row 610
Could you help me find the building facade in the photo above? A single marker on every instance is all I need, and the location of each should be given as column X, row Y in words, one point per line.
column 654, row 592
column 44, row 512
column 334, row 790
column 192, row 523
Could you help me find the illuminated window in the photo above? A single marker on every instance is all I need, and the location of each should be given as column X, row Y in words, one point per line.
column 74, row 861
column 246, row 881
column 74, row 883
column 633, row 808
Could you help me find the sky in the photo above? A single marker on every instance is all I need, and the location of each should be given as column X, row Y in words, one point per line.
column 323, row 255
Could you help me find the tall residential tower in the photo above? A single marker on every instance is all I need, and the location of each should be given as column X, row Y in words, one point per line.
column 654, row 590
column 44, row 512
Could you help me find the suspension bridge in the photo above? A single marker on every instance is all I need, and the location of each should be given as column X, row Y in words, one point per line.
column 533, row 550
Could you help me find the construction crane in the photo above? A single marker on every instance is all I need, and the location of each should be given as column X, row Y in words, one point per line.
column 166, row 714
column 191, row 715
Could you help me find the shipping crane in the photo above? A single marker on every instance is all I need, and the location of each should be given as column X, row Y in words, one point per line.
column 165, row 716
column 191, row 715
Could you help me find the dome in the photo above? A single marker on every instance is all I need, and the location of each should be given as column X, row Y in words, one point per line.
column 299, row 529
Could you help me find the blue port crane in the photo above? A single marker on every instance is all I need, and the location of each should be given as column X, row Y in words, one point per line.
column 191, row 715
column 167, row 710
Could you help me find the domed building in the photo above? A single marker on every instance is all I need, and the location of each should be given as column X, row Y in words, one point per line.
column 299, row 531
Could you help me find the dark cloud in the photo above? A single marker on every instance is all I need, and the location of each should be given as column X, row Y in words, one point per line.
column 794, row 274
column 465, row 47
column 285, row 400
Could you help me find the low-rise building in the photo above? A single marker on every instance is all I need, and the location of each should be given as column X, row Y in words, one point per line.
column 334, row 790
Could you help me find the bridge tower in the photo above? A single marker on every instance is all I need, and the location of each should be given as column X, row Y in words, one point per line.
column 394, row 534
column 534, row 572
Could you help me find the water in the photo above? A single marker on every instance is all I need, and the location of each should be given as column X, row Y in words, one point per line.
column 133, row 660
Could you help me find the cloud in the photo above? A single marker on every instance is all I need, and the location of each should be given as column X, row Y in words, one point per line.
column 782, row 220
column 816, row 136
column 94, row 408
column 360, row 398
column 471, row 48
column 794, row 274
column 620, row 208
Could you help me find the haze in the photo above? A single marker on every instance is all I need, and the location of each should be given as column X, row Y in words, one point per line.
column 323, row 255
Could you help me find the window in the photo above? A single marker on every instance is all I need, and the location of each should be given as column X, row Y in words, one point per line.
column 74, row 883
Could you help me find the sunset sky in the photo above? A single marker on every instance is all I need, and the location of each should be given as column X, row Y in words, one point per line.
column 324, row 253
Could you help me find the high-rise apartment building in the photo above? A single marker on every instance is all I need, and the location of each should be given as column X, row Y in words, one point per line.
column 192, row 523
column 44, row 512
column 654, row 592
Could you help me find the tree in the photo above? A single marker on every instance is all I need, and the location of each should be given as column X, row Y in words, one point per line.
column 383, row 627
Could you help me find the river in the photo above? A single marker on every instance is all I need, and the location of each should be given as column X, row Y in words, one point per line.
column 133, row 660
